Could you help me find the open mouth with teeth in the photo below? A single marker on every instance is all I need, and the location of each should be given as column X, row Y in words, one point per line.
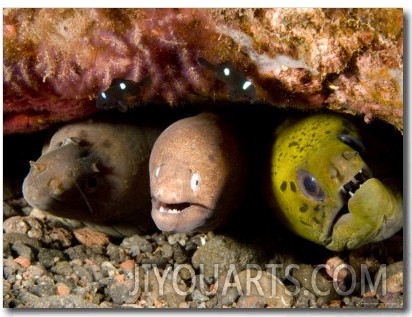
column 173, row 208
column 347, row 191
column 179, row 217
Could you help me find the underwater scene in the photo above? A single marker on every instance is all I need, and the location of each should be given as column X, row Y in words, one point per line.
column 203, row 158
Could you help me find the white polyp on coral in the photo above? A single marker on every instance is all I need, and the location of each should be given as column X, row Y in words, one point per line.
column 265, row 64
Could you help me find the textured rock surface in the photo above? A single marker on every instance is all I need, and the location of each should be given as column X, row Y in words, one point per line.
column 56, row 61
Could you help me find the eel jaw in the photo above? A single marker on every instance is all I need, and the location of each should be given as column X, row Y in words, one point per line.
column 179, row 217
column 347, row 191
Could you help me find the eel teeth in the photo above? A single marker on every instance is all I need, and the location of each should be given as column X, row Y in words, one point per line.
column 173, row 208
column 169, row 211
column 349, row 189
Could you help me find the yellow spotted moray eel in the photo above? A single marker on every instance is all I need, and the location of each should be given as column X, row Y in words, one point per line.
column 323, row 190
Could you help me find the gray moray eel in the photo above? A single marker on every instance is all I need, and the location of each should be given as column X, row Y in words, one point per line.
column 96, row 173
column 197, row 174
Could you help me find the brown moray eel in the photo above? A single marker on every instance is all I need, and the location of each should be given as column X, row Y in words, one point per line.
column 197, row 174
column 96, row 173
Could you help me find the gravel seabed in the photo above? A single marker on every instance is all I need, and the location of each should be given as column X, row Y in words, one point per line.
column 49, row 266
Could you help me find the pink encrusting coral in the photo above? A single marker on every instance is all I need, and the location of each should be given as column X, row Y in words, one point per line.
column 56, row 61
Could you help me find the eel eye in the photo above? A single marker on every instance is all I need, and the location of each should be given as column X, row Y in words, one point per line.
column 122, row 86
column 195, row 181
column 310, row 186
column 91, row 184
column 156, row 172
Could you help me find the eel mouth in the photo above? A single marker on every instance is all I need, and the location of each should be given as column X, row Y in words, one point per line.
column 173, row 208
column 180, row 217
column 347, row 191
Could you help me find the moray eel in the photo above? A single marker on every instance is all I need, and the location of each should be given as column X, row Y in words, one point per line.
column 96, row 173
column 122, row 94
column 197, row 174
column 240, row 88
column 324, row 191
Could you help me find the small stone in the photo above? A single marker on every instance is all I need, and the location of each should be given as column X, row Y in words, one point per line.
column 167, row 251
column 35, row 271
column 63, row 268
column 77, row 252
column 250, row 301
column 58, row 237
column 109, row 269
column 11, row 238
column 197, row 296
column 332, row 265
column 336, row 303
column 48, row 257
column 136, row 244
column 29, row 226
column 390, row 290
column 122, row 292
column 394, row 278
column 173, row 300
column 22, row 250
column 62, row 289
column 229, row 297
column 305, row 299
column 116, row 254
column 45, row 287
column 90, row 237
column 23, row 261
column 223, row 253
column 213, row 303
column 127, row 265
column 180, row 255
column 180, row 238
column 316, row 283
column 183, row 305
column 266, row 285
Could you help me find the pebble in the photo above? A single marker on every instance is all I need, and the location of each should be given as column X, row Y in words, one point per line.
column 23, row 250
column 122, row 292
column 63, row 268
column 316, row 283
column 22, row 261
column 230, row 296
column 136, row 244
column 115, row 253
column 29, row 226
column 250, row 301
column 127, row 265
column 305, row 299
column 223, row 252
column 62, row 289
column 198, row 297
column 13, row 237
column 49, row 257
column 180, row 238
column 180, row 254
column 390, row 288
column 58, row 237
column 90, row 237
column 264, row 284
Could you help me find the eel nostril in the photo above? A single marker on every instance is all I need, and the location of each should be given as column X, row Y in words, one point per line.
column 38, row 167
